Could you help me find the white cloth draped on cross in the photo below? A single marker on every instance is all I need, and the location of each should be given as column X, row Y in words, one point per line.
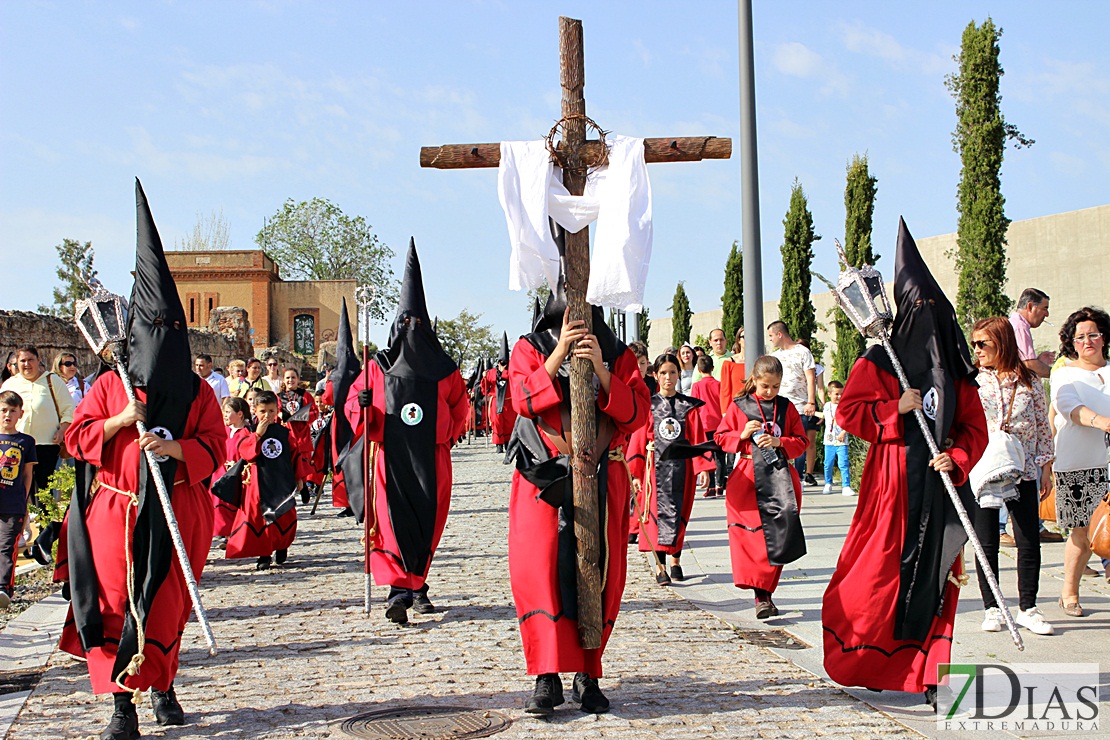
column 617, row 196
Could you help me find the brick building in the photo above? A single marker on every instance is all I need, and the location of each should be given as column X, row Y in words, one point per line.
column 298, row 314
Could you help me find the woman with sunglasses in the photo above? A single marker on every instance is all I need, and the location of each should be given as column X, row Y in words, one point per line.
column 1081, row 397
column 1014, row 401
column 65, row 365
column 274, row 375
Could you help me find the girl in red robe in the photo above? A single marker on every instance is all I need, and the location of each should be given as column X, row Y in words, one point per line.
column 541, row 537
column 764, row 494
column 236, row 412
column 666, row 495
column 298, row 412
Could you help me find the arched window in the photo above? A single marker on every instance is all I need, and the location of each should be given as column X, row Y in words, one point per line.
column 304, row 334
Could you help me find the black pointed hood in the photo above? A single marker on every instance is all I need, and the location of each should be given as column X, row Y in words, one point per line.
column 926, row 334
column 545, row 334
column 536, row 312
column 413, row 347
column 347, row 367
column 504, row 356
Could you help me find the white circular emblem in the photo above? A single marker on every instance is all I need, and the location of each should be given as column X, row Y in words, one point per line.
column 271, row 447
column 412, row 414
column 929, row 404
column 165, row 434
column 670, row 428
column 772, row 428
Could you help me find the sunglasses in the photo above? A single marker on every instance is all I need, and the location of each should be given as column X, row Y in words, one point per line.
column 69, row 363
column 271, row 364
column 979, row 344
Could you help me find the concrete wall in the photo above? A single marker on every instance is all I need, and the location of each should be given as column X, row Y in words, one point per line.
column 321, row 299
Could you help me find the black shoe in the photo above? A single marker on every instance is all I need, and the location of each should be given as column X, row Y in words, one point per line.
column 766, row 609
column 676, row 573
column 500, row 449
column 304, row 495
column 263, row 563
column 421, row 604
column 587, row 693
column 547, row 695
column 124, row 724
column 281, row 556
column 345, row 512
column 167, row 710
column 397, row 612
column 633, row 538
column 662, row 578
column 810, row 480
column 931, row 696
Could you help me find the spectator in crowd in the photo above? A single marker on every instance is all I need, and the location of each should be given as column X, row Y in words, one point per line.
column 836, row 443
column 1013, row 401
column 699, row 351
column 65, row 365
column 202, row 365
column 236, row 376
column 17, row 460
column 321, row 384
column 275, row 374
column 719, row 352
column 732, row 374
column 709, row 390
column 799, row 383
column 1081, row 396
column 686, row 372
column 1031, row 311
column 647, row 371
column 10, row 368
column 819, row 381
column 254, row 379
column 47, row 410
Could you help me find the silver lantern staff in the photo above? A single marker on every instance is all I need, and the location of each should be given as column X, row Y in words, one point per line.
column 364, row 297
column 102, row 318
column 862, row 297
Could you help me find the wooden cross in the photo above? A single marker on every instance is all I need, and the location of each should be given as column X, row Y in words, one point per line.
column 577, row 155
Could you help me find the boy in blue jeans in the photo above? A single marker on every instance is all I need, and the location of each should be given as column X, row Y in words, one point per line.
column 836, row 441
column 17, row 462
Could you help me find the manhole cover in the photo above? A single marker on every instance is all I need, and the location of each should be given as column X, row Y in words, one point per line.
column 426, row 723
column 14, row 681
column 772, row 639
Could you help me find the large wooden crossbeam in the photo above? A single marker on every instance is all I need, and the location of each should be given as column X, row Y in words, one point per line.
column 681, row 149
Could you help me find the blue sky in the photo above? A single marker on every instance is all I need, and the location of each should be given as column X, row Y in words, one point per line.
column 238, row 106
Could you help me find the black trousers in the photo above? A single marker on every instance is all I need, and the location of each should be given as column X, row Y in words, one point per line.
column 405, row 594
column 718, row 477
column 1023, row 514
column 11, row 526
column 44, row 468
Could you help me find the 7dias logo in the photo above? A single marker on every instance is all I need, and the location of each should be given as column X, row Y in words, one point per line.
column 1029, row 697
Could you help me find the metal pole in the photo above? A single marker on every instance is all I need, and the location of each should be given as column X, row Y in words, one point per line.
column 635, row 332
column 364, row 296
column 749, row 193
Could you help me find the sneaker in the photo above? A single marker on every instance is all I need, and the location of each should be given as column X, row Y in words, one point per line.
column 1032, row 620
column 810, row 480
column 676, row 573
column 5, row 600
column 766, row 609
column 587, row 693
column 827, row 489
column 1006, row 540
column 547, row 695
column 992, row 620
column 421, row 604
column 847, row 491
column 167, row 710
column 397, row 612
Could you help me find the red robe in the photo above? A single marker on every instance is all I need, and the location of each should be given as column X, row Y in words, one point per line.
column 224, row 518
column 251, row 536
column 202, row 443
column 303, row 430
column 637, row 463
column 550, row 639
column 338, row 488
column 452, row 405
column 746, row 543
column 501, row 423
column 858, row 611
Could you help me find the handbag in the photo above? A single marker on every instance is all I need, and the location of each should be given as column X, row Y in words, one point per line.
column 1098, row 531
column 1047, row 508
column 1004, row 456
column 63, row 453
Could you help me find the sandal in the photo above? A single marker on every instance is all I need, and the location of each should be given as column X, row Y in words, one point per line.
column 1073, row 609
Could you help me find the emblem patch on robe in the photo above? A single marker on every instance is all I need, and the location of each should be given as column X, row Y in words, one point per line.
column 161, row 433
column 929, row 404
column 412, row 414
column 271, row 448
column 670, row 429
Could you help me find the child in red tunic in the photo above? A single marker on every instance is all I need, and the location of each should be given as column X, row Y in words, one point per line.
column 267, row 520
column 236, row 412
column 764, row 494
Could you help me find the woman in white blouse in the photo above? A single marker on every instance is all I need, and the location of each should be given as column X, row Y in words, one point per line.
column 1081, row 397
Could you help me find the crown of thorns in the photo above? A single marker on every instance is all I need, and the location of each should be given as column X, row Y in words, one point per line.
column 572, row 160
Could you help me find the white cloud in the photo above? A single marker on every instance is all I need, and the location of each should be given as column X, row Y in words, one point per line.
column 642, row 52
column 860, row 38
column 795, row 59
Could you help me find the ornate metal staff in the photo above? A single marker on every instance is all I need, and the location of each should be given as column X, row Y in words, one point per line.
column 102, row 318
column 364, row 297
column 862, row 297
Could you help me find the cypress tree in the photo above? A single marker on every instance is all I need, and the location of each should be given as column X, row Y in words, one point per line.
column 732, row 302
column 681, row 313
column 645, row 324
column 795, row 307
column 859, row 207
column 980, row 140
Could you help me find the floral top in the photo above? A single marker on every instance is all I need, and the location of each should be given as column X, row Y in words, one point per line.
column 1029, row 421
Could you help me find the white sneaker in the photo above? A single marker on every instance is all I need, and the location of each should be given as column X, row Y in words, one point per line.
column 992, row 620
column 1032, row 620
column 847, row 491
column 828, row 489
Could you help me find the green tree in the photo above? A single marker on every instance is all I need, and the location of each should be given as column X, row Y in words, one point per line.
column 732, row 302
column 795, row 307
column 645, row 325
column 75, row 266
column 680, row 313
column 980, row 140
column 859, row 207
column 315, row 240
column 466, row 340
column 541, row 293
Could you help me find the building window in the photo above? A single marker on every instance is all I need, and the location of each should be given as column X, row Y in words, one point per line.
column 304, row 334
column 192, row 310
